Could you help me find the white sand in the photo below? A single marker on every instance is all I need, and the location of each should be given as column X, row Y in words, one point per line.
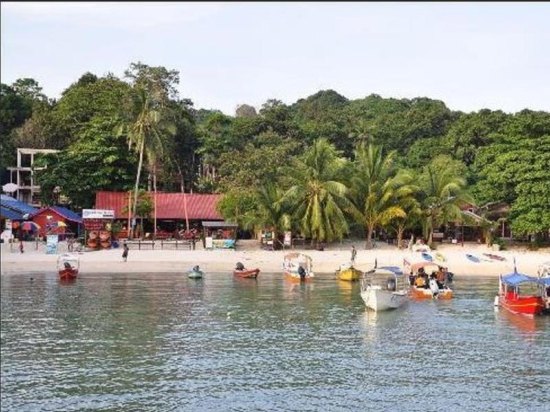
column 249, row 253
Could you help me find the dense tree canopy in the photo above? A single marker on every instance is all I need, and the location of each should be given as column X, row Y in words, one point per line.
column 486, row 156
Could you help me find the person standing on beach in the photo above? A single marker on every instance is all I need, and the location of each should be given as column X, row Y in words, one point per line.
column 21, row 248
column 125, row 251
column 353, row 254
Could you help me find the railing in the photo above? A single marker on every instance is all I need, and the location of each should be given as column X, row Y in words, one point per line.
column 164, row 244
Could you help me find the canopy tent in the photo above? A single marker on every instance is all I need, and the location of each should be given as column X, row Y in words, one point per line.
column 515, row 279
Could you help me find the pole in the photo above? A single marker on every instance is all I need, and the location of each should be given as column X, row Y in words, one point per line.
column 185, row 211
column 129, row 212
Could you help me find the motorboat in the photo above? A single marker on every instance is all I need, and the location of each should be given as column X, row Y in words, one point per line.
column 298, row 267
column 384, row 288
column 523, row 294
column 421, row 286
column 195, row 273
column 68, row 266
column 348, row 272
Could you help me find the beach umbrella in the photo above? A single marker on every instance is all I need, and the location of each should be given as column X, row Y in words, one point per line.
column 30, row 226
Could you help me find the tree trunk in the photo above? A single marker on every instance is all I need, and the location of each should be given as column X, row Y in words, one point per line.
column 400, row 230
column 155, row 201
column 138, row 175
column 369, row 244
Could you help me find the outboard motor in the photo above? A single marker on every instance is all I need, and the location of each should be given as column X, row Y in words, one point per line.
column 302, row 272
column 450, row 276
column 391, row 285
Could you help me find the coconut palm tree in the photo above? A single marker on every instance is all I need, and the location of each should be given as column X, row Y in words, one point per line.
column 376, row 191
column 147, row 131
column 443, row 193
column 317, row 196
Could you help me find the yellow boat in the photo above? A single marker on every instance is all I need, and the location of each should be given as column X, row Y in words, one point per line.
column 348, row 273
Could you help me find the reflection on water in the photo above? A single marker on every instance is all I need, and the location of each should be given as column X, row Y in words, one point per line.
column 166, row 342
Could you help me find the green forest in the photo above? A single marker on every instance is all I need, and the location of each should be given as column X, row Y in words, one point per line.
column 325, row 166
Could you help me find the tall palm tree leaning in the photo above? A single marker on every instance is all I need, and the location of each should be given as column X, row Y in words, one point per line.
column 377, row 193
column 317, row 196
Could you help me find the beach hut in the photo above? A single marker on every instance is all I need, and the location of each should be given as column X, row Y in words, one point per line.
column 57, row 220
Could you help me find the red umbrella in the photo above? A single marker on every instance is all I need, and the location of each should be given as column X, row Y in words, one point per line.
column 30, row 226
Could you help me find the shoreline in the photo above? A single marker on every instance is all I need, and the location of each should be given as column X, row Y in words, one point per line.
column 252, row 256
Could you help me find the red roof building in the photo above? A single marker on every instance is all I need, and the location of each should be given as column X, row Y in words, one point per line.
column 191, row 206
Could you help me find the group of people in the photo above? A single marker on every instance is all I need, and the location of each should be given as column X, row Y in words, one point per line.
column 435, row 281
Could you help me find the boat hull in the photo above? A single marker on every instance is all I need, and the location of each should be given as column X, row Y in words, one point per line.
column 378, row 299
column 295, row 277
column 421, row 293
column 349, row 274
column 247, row 273
column 524, row 305
column 68, row 274
column 195, row 274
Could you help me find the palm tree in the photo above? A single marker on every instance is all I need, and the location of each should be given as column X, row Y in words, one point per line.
column 272, row 211
column 147, row 130
column 410, row 206
column 376, row 191
column 443, row 194
column 317, row 196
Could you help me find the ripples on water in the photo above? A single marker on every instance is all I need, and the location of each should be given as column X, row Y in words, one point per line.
column 162, row 342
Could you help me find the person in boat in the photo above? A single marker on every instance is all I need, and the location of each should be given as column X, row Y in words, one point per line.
column 412, row 278
column 420, row 282
column 434, row 287
column 67, row 266
column 302, row 272
column 196, row 268
column 239, row 266
column 441, row 278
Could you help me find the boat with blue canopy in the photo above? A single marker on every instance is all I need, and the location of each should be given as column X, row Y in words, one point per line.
column 524, row 294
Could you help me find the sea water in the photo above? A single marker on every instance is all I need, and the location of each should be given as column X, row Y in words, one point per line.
column 163, row 342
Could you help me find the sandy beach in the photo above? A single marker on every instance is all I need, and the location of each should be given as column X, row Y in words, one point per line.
column 248, row 252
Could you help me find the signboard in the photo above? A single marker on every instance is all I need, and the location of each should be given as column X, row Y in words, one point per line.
column 51, row 244
column 98, row 214
column 209, row 242
column 288, row 241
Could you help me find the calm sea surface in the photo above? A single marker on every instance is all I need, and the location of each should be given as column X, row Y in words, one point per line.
column 163, row 342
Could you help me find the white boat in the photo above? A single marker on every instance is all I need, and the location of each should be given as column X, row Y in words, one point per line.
column 384, row 288
column 544, row 270
column 298, row 267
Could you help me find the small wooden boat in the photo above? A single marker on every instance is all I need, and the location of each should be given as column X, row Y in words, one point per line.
column 523, row 294
column 348, row 273
column 384, row 288
column 427, row 256
column 440, row 257
column 247, row 273
column 472, row 258
column 298, row 267
column 68, row 266
column 195, row 273
column 495, row 257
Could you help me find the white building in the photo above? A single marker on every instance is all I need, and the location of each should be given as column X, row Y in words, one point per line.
column 23, row 176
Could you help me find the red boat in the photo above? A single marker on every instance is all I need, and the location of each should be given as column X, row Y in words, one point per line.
column 523, row 294
column 247, row 273
column 67, row 266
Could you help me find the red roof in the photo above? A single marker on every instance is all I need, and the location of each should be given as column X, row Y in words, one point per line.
column 169, row 205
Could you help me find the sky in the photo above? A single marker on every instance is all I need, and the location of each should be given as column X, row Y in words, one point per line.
column 469, row 55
